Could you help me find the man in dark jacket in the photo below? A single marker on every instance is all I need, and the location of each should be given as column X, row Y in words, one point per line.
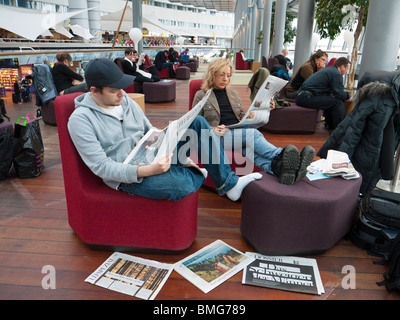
column 324, row 90
column 160, row 61
column 129, row 66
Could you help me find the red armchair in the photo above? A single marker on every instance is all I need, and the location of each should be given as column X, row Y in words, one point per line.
column 236, row 159
column 109, row 219
column 240, row 63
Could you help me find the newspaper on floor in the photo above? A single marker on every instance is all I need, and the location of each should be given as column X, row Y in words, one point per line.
column 259, row 111
column 159, row 143
column 284, row 273
column 212, row 265
column 137, row 277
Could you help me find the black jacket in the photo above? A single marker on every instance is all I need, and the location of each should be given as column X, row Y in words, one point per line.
column 370, row 133
column 159, row 60
column 328, row 81
column 64, row 76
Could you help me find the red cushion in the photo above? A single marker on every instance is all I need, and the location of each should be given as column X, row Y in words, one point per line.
column 107, row 217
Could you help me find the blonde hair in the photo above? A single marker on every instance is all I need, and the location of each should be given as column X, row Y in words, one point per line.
column 216, row 66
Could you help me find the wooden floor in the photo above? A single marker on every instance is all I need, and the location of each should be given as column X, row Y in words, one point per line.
column 35, row 232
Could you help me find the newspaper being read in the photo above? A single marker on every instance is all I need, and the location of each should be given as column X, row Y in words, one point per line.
column 284, row 273
column 137, row 277
column 159, row 143
column 258, row 113
column 212, row 265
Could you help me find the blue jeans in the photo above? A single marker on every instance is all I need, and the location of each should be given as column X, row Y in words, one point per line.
column 180, row 181
column 253, row 145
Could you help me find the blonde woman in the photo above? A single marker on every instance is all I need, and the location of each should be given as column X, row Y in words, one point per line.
column 224, row 108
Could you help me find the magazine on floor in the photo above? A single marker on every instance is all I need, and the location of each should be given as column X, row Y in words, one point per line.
column 259, row 111
column 212, row 265
column 160, row 143
column 284, row 273
column 137, row 277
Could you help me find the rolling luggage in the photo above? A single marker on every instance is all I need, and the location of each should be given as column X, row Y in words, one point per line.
column 377, row 223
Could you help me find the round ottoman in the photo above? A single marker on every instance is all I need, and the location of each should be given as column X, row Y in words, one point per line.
column 182, row 73
column 162, row 91
column 308, row 217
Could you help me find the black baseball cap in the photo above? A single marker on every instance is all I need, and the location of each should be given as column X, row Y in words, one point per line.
column 103, row 72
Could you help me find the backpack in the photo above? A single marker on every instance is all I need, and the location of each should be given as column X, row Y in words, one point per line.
column 392, row 276
column 377, row 223
column 8, row 147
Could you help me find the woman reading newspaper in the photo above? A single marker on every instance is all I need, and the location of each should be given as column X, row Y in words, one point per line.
column 225, row 114
column 106, row 125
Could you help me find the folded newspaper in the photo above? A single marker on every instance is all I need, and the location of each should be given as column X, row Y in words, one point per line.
column 258, row 113
column 336, row 164
column 159, row 143
column 284, row 273
column 137, row 277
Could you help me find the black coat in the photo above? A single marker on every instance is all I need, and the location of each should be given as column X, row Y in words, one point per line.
column 369, row 134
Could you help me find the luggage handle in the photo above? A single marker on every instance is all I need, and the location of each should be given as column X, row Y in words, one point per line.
column 27, row 120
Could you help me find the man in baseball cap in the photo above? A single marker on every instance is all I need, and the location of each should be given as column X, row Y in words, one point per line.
column 105, row 73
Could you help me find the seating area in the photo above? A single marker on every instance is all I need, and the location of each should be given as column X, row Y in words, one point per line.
column 68, row 217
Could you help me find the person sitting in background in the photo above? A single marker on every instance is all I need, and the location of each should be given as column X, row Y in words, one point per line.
column 63, row 76
column 184, row 57
column 244, row 58
column 324, row 90
column 160, row 61
column 284, row 60
column 316, row 62
column 224, row 108
column 173, row 55
column 129, row 67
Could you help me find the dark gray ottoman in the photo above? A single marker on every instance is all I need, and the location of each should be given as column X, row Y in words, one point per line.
column 162, row 91
column 308, row 217
column 292, row 119
column 182, row 73
column 48, row 113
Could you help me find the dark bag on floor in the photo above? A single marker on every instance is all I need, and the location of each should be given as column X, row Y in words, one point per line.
column 8, row 147
column 28, row 159
column 377, row 223
column 392, row 276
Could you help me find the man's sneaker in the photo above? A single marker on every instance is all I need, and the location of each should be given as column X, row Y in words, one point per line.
column 306, row 157
column 286, row 164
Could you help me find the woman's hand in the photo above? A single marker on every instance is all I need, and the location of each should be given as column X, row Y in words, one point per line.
column 158, row 166
column 272, row 104
column 220, row 130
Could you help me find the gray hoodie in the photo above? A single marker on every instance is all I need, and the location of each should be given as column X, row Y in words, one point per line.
column 104, row 141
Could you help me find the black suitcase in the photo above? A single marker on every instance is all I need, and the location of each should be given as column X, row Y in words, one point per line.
column 15, row 98
column 377, row 223
column 382, row 207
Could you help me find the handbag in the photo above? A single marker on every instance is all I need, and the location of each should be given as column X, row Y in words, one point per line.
column 28, row 160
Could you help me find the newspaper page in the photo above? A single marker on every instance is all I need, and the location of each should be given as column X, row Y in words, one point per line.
column 212, row 265
column 137, row 277
column 159, row 143
column 284, row 273
column 258, row 113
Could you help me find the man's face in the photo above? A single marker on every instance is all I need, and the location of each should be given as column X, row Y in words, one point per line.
column 110, row 97
column 343, row 69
